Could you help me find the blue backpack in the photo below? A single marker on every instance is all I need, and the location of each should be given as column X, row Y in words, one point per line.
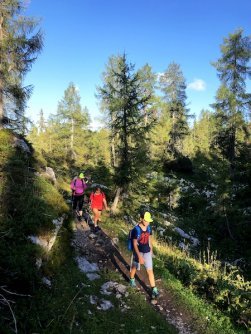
column 130, row 240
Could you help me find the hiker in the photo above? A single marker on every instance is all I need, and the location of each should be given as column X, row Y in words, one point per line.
column 78, row 186
column 97, row 203
column 142, row 251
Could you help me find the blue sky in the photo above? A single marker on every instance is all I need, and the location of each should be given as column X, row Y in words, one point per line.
column 81, row 35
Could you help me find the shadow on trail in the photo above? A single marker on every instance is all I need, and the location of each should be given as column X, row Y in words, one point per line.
column 121, row 264
column 107, row 249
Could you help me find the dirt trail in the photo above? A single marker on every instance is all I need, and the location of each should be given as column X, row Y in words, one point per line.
column 101, row 249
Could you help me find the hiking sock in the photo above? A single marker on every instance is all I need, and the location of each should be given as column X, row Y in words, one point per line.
column 155, row 292
column 132, row 282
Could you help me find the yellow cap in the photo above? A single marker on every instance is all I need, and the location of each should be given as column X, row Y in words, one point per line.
column 81, row 175
column 148, row 217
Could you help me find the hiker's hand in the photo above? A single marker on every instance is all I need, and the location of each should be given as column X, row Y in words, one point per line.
column 108, row 209
column 141, row 260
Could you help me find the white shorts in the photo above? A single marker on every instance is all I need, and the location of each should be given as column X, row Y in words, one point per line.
column 147, row 258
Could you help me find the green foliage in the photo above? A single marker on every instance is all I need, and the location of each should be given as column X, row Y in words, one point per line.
column 27, row 207
column 180, row 164
column 20, row 42
column 200, row 135
column 227, row 290
column 66, row 305
column 232, row 99
column 125, row 97
column 199, row 280
column 173, row 86
column 191, row 185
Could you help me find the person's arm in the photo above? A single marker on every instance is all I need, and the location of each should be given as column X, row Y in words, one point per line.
column 151, row 244
column 136, row 249
column 105, row 203
column 91, row 199
column 72, row 185
column 150, row 239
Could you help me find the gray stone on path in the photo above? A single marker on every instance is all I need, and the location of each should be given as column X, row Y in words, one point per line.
column 85, row 266
column 92, row 276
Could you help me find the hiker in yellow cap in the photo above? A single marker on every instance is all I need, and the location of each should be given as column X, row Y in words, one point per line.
column 142, row 251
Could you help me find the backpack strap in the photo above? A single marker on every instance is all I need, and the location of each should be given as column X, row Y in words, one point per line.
column 148, row 229
column 138, row 229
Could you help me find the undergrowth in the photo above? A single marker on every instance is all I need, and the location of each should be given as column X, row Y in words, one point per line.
column 219, row 300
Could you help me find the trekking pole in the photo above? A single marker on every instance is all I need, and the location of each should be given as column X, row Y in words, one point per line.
column 72, row 198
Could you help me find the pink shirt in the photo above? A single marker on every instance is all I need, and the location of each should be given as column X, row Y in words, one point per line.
column 78, row 186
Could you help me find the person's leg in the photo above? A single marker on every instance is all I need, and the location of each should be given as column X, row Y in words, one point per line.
column 80, row 205
column 99, row 216
column 151, row 277
column 75, row 207
column 96, row 215
column 132, row 276
column 133, row 272
column 149, row 268
column 75, row 202
column 133, row 268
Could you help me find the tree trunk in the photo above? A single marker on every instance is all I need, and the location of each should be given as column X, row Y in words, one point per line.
column 72, row 133
column 116, row 200
column 113, row 153
column 232, row 144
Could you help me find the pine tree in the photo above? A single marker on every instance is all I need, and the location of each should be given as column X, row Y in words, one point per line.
column 125, row 98
column 232, row 101
column 172, row 84
column 41, row 122
column 200, row 136
column 71, row 118
column 19, row 45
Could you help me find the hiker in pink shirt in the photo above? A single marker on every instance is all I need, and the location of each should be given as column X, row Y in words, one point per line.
column 78, row 187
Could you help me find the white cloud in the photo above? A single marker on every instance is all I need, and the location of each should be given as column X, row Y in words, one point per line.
column 197, row 84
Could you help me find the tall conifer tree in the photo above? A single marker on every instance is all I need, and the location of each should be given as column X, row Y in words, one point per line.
column 71, row 118
column 125, row 97
column 173, row 86
column 232, row 100
column 19, row 45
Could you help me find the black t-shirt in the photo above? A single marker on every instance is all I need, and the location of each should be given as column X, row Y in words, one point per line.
column 143, row 238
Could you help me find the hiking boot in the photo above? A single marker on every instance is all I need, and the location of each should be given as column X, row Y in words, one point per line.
column 132, row 283
column 79, row 218
column 96, row 229
column 155, row 293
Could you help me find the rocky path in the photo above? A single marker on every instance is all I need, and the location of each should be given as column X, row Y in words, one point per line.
column 100, row 252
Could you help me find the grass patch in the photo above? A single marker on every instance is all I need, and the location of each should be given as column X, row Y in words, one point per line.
column 66, row 307
column 206, row 317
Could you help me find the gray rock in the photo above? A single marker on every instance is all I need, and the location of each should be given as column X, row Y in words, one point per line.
column 85, row 266
column 105, row 305
column 92, row 276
